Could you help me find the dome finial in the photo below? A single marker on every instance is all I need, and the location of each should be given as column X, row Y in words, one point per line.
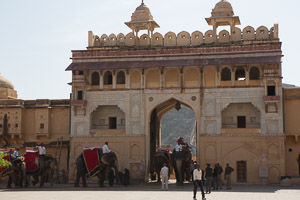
column 142, row 2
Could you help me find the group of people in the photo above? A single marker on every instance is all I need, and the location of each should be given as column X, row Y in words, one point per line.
column 41, row 149
column 210, row 177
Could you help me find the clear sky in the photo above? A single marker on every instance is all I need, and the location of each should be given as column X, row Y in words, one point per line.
column 37, row 36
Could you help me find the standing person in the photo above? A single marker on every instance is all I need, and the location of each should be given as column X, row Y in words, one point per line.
column 178, row 146
column 192, row 168
column 228, row 171
column 209, row 177
column 105, row 148
column 164, row 177
column 198, row 182
column 42, row 149
column 220, row 171
column 15, row 153
column 215, row 177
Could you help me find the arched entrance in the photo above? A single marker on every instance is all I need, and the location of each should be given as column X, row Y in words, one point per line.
column 155, row 127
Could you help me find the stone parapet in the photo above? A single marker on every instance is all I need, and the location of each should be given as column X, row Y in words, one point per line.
column 184, row 38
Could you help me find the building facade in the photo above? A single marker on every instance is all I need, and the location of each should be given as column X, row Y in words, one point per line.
column 124, row 84
column 31, row 122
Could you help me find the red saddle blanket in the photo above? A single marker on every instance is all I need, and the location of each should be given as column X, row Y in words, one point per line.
column 32, row 162
column 91, row 160
column 6, row 170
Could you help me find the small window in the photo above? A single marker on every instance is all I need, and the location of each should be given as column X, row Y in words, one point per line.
column 17, row 125
column 80, row 73
column 225, row 74
column 0, row 125
column 95, row 78
column 254, row 73
column 240, row 74
column 121, row 77
column 108, row 78
column 8, row 125
column 112, row 123
column 79, row 95
column 241, row 121
column 271, row 90
column 42, row 126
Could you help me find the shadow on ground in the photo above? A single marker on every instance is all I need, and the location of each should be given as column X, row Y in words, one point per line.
column 152, row 186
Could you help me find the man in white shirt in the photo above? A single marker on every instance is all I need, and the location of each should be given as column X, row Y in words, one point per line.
column 105, row 148
column 15, row 153
column 42, row 149
column 197, row 174
column 178, row 147
column 164, row 172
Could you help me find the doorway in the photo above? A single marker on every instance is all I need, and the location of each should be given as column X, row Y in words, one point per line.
column 241, row 171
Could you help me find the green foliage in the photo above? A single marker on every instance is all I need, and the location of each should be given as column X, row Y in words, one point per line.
column 178, row 123
column 4, row 163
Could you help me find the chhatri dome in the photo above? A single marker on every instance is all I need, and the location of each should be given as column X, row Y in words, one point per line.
column 223, row 15
column 142, row 19
column 7, row 89
column 222, row 9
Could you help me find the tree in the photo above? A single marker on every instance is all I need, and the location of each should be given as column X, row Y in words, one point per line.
column 4, row 163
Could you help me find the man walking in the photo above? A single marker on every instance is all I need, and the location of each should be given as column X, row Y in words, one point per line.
column 215, row 177
column 228, row 171
column 164, row 176
column 208, row 177
column 220, row 171
column 198, row 182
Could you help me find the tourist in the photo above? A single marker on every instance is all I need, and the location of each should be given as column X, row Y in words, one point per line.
column 178, row 146
column 208, row 177
column 15, row 153
column 164, row 172
column 215, row 177
column 228, row 171
column 41, row 149
column 105, row 148
column 198, row 182
column 220, row 171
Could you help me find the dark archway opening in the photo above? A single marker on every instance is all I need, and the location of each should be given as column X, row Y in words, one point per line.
column 169, row 121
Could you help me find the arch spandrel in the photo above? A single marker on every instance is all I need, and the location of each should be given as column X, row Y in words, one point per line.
column 194, row 105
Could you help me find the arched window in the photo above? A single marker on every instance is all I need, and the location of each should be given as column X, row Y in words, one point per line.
column 108, row 78
column 240, row 74
column 95, row 78
column 121, row 77
column 254, row 73
column 225, row 74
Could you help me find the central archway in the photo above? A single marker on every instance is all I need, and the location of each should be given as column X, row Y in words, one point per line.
column 155, row 132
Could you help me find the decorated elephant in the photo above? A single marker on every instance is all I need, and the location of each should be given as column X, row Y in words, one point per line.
column 39, row 167
column 18, row 173
column 160, row 157
column 94, row 163
column 181, row 162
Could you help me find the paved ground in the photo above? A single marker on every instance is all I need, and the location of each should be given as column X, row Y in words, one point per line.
column 149, row 191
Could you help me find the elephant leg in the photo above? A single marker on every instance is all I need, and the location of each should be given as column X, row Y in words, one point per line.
column 42, row 178
column 51, row 176
column 101, row 177
column 158, row 177
column 10, row 180
column 83, row 180
column 111, row 178
column 36, row 180
column 76, row 184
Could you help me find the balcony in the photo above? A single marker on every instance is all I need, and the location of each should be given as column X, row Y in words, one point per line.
column 78, row 102
column 271, row 99
column 237, row 131
column 107, row 132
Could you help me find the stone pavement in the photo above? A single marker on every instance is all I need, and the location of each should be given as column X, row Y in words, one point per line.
column 149, row 191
